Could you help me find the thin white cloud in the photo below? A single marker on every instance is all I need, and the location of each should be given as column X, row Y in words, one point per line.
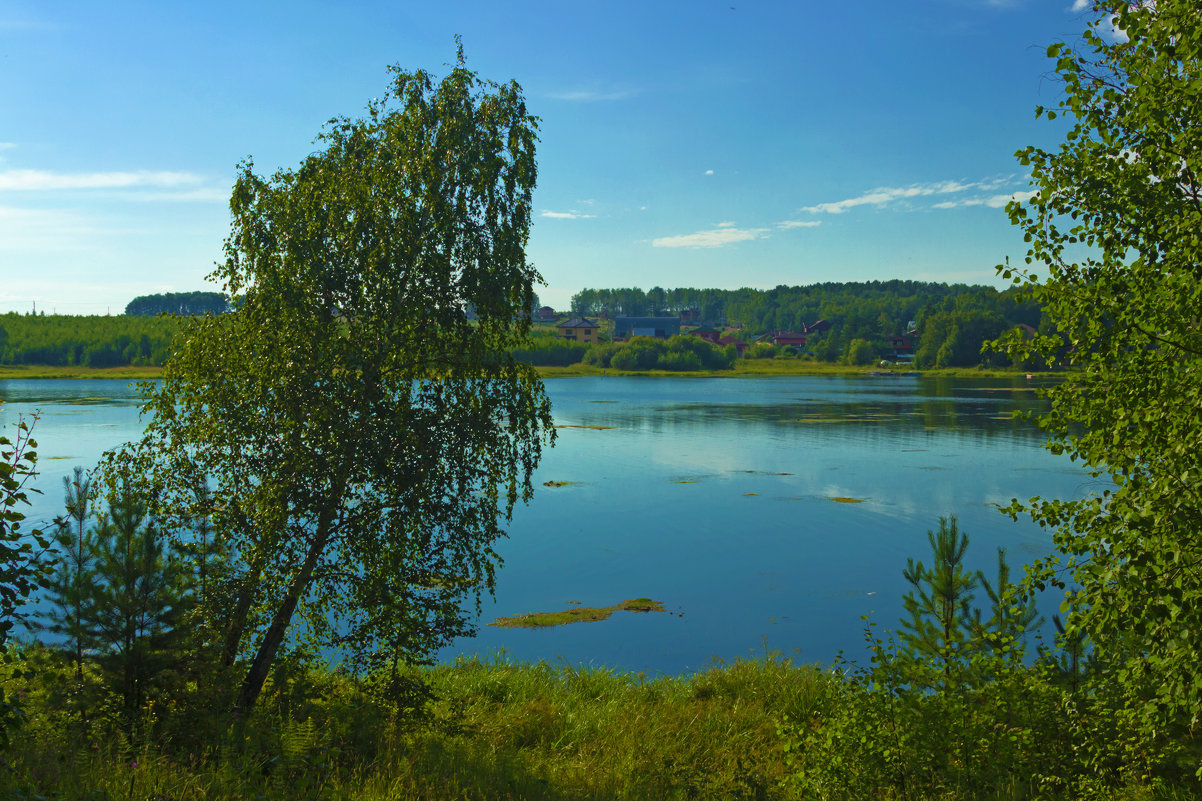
column 1000, row 201
column 992, row 201
column 201, row 195
column 593, row 96
column 709, row 172
column 887, row 195
column 41, row 180
column 727, row 224
column 1080, row 5
column 785, row 225
column 44, row 230
column 566, row 215
column 714, row 238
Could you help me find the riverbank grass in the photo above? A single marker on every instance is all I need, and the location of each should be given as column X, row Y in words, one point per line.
column 497, row 729
column 30, row 371
column 743, row 368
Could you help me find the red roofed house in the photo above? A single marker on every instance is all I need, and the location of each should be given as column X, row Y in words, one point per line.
column 739, row 344
column 900, row 343
column 788, row 338
column 707, row 333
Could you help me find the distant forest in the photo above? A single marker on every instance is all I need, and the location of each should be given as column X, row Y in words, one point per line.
column 139, row 337
column 950, row 323
column 187, row 303
column 60, row 340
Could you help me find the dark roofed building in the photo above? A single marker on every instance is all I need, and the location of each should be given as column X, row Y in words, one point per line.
column 788, row 339
column 659, row 327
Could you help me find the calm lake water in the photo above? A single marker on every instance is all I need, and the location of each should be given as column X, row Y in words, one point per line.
column 713, row 496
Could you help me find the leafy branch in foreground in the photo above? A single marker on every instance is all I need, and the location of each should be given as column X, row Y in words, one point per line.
column 24, row 556
column 1113, row 222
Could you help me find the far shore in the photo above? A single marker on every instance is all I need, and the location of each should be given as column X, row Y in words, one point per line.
column 10, row 371
column 745, row 368
column 768, row 368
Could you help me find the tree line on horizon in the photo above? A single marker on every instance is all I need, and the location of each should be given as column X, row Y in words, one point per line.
column 62, row 340
column 185, row 303
column 142, row 337
column 951, row 323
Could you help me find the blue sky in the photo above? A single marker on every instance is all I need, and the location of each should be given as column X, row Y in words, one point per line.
column 727, row 144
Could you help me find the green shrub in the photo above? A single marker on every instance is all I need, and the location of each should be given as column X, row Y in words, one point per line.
column 761, row 350
column 548, row 350
column 680, row 353
column 860, row 352
column 600, row 355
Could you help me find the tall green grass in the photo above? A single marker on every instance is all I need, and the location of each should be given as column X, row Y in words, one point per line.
column 496, row 729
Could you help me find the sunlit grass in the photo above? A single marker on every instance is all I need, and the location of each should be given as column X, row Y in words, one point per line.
column 36, row 371
column 496, row 729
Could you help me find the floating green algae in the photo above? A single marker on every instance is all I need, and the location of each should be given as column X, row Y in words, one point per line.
column 579, row 614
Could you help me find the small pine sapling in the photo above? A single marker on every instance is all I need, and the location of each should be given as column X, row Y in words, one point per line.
column 939, row 625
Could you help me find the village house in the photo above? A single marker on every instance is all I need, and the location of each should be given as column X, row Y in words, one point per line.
column 545, row 315
column 579, row 329
column 902, row 346
column 708, row 333
column 816, row 327
column 901, row 343
column 658, row 327
column 786, row 339
column 739, row 344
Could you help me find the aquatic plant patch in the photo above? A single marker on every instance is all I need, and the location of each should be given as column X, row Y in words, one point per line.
column 578, row 614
